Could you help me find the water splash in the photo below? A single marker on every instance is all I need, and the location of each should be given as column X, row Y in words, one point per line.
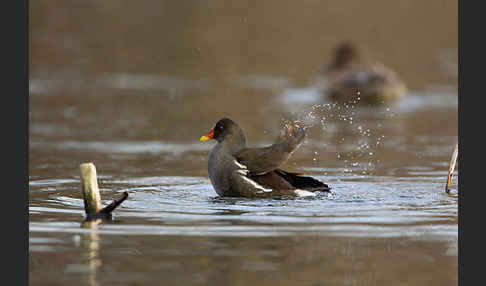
column 342, row 122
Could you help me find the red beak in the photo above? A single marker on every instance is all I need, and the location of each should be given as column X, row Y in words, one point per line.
column 207, row 136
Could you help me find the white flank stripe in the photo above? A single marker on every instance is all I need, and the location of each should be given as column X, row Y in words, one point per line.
column 240, row 165
column 243, row 172
column 243, row 169
column 256, row 185
column 302, row 193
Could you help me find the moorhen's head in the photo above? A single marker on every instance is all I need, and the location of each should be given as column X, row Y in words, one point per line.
column 345, row 53
column 225, row 129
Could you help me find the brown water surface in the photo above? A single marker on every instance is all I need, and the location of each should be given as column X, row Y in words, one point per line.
column 131, row 86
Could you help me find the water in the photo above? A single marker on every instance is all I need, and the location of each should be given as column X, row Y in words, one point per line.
column 387, row 221
column 386, row 218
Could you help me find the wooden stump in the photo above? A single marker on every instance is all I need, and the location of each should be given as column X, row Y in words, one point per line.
column 89, row 187
column 91, row 194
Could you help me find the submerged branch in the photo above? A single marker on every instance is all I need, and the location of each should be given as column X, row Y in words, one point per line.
column 452, row 166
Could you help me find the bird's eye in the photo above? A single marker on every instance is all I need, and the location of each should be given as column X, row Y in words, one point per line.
column 221, row 127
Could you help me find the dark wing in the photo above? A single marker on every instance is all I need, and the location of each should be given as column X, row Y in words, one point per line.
column 263, row 160
column 279, row 182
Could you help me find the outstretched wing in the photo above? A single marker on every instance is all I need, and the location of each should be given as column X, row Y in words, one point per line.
column 263, row 160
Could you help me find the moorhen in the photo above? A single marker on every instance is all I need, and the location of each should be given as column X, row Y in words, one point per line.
column 238, row 171
column 350, row 72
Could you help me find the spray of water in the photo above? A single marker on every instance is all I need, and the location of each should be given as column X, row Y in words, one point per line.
column 356, row 144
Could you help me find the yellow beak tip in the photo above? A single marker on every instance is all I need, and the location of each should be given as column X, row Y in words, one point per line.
column 204, row 138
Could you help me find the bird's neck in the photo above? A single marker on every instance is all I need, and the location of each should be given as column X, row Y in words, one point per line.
column 234, row 143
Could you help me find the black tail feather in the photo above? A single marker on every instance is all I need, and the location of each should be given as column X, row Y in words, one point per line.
column 303, row 182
